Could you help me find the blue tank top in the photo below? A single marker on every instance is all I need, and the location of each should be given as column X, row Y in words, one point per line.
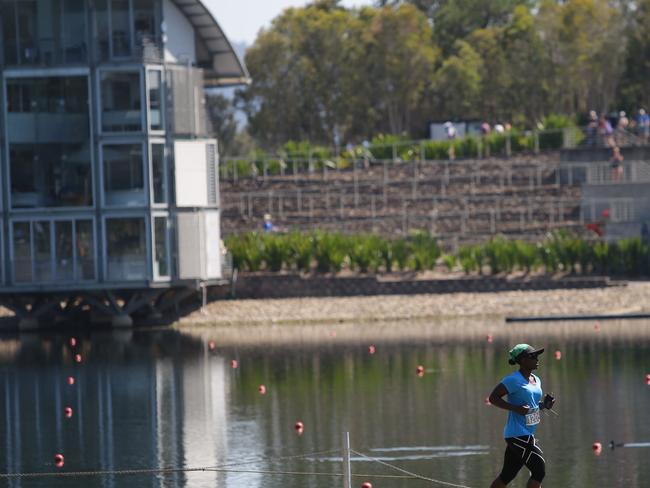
column 522, row 392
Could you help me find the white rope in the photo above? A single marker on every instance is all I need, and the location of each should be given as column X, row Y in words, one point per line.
column 414, row 475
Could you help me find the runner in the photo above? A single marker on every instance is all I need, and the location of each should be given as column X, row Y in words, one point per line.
column 524, row 390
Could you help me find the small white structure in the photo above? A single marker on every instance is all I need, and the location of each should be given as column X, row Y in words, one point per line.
column 109, row 184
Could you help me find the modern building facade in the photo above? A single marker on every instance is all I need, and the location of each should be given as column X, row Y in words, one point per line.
column 109, row 178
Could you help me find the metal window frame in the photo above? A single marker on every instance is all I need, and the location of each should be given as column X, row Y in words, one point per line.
column 165, row 204
column 167, row 217
column 130, row 68
column 163, row 102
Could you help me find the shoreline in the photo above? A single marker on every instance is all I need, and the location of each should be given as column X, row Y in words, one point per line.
column 631, row 298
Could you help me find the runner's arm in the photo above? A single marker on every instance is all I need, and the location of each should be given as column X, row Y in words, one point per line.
column 496, row 399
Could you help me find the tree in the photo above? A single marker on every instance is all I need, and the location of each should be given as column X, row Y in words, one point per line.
column 634, row 89
column 221, row 114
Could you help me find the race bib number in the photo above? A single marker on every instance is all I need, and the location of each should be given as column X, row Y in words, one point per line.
column 532, row 418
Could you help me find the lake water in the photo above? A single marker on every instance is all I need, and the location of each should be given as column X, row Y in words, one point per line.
column 161, row 398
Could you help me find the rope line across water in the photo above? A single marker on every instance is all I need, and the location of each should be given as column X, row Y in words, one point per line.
column 413, row 475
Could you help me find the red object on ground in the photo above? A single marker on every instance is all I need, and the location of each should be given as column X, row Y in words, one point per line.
column 67, row 412
column 558, row 355
column 59, row 460
column 366, row 484
column 420, row 371
column 597, row 447
column 300, row 427
column 71, row 380
column 595, row 228
column 77, row 358
column 72, row 341
column 212, row 345
column 489, row 338
column 262, row 389
column 234, row 364
column 487, row 401
column 372, row 349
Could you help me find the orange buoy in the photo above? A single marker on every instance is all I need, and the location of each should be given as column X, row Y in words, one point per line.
column 234, row 364
column 262, row 389
column 300, row 427
column 212, row 345
column 366, row 484
column 77, row 358
column 71, row 380
column 72, row 341
column 59, row 460
column 419, row 371
column 67, row 412
column 372, row 349
column 597, row 447
column 489, row 338
column 558, row 355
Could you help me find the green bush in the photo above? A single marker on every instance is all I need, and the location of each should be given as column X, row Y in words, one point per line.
column 424, row 251
column 329, row 252
column 301, row 251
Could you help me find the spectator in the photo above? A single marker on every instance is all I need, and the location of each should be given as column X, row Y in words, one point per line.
column 643, row 125
column 592, row 128
column 606, row 132
column 451, row 137
column 617, row 163
column 623, row 121
column 268, row 224
column 485, row 129
column 499, row 128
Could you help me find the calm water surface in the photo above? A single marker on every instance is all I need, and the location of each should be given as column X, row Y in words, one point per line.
column 160, row 398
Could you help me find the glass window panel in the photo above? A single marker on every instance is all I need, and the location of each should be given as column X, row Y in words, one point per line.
column 161, row 238
column 126, row 249
column 154, row 83
column 121, row 33
column 9, row 33
column 42, row 251
column 85, row 255
column 121, row 102
column 144, row 20
column 74, row 27
column 123, row 174
column 22, row 252
column 26, row 21
column 102, row 32
column 64, row 254
column 159, row 173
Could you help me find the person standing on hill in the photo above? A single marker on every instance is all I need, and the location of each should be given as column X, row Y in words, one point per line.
column 524, row 390
column 450, row 130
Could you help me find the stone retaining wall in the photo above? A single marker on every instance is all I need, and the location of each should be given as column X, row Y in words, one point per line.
column 261, row 285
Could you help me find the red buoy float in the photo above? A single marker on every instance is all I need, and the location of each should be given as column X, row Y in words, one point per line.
column 67, row 412
column 77, row 358
column 262, row 389
column 234, row 364
column 72, row 342
column 558, row 355
column 71, row 380
column 597, row 447
column 299, row 427
column 372, row 349
column 420, row 371
column 647, row 379
column 366, row 484
column 59, row 460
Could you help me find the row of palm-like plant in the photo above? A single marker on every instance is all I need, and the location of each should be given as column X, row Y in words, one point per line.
column 326, row 252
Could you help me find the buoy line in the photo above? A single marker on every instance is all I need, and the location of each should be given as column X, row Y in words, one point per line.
column 413, row 475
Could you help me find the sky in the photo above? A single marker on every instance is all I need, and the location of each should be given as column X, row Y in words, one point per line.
column 242, row 19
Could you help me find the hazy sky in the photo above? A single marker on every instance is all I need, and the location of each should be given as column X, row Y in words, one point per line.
column 242, row 19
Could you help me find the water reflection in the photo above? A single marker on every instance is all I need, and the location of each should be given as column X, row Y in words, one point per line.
column 161, row 398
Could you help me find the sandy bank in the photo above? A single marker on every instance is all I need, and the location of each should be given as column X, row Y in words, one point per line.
column 632, row 298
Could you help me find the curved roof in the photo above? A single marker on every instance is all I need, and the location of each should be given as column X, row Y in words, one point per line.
column 214, row 51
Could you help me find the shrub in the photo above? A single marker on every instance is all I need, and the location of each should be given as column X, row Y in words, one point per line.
column 329, row 252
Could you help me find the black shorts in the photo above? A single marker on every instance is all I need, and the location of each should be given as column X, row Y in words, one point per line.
column 523, row 451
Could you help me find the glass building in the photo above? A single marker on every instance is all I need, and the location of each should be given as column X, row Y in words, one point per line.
column 109, row 178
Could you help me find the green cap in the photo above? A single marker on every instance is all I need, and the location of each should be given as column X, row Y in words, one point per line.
column 521, row 348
